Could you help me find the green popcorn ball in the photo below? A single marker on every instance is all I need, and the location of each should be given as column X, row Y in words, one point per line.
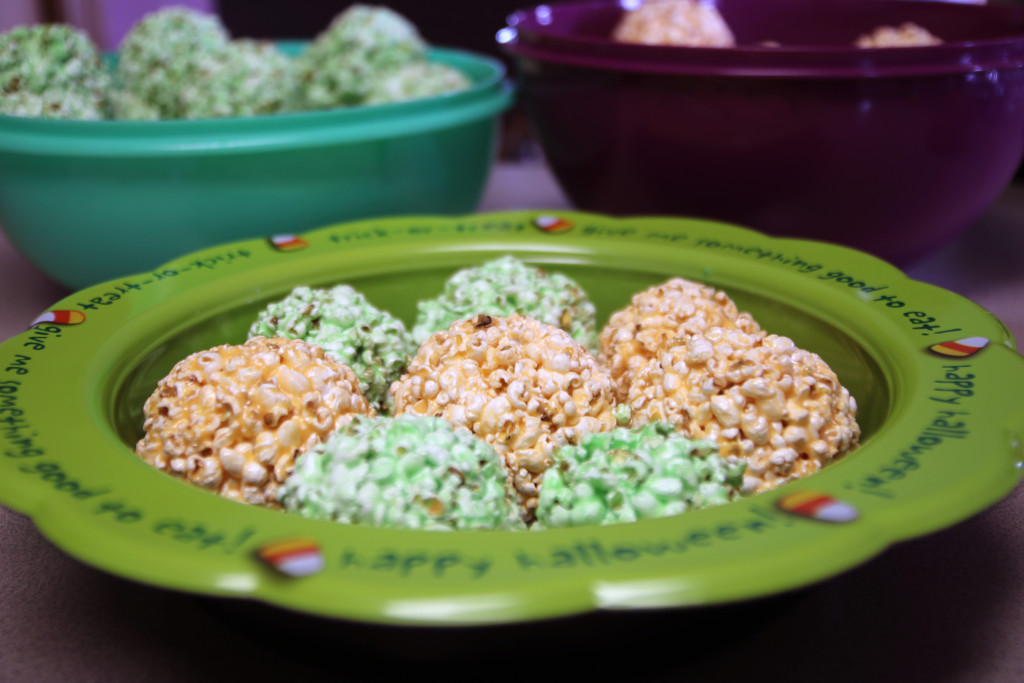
column 344, row 63
column 373, row 343
column 51, row 71
column 246, row 78
column 169, row 51
column 125, row 105
column 381, row 35
column 626, row 475
column 417, row 81
column 505, row 286
column 408, row 472
column 54, row 105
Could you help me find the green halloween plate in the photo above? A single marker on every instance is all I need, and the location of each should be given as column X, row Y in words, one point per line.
column 936, row 379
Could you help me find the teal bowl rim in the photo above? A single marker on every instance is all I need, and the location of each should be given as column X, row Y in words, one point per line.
column 490, row 94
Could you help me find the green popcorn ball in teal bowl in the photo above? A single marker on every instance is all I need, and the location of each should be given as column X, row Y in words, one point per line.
column 178, row 63
column 344, row 63
column 125, row 105
column 247, row 78
column 504, row 286
column 415, row 80
column 166, row 54
column 627, row 475
column 407, row 472
column 52, row 105
column 51, row 71
column 372, row 342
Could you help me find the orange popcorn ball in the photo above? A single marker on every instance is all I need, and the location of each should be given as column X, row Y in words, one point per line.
column 907, row 34
column 524, row 387
column 233, row 419
column 658, row 316
column 689, row 23
column 763, row 399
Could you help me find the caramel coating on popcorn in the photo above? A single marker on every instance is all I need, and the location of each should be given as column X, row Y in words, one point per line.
column 233, row 418
column 907, row 34
column 763, row 399
column 691, row 23
column 524, row 387
column 658, row 316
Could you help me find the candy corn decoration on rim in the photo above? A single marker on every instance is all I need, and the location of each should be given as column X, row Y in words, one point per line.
column 60, row 318
column 288, row 242
column 552, row 224
column 960, row 348
column 296, row 558
column 818, row 506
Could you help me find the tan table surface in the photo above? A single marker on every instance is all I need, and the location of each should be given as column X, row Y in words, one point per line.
column 946, row 607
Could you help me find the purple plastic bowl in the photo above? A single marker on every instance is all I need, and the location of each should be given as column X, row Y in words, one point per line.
column 892, row 151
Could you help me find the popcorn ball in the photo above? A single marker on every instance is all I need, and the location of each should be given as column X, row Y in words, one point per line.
column 52, row 105
column 415, row 81
column 232, row 419
column 125, row 105
column 693, row 23
column 907, row 34
column 760, row 397
column 51, row 71
column 524, row 387
column 165, row 56
column 658, row 316
column 505, row 286
column 245, row 78
column 342, row 65
column 409, row 472
column 373, row 343
column 627, row 475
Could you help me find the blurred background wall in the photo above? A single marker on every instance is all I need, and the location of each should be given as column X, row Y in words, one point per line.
column 16, row 12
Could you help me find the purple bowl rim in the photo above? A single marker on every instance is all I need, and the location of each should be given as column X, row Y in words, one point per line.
column 530, row 40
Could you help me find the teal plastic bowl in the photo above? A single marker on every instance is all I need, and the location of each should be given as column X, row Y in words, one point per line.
column 87, row 201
